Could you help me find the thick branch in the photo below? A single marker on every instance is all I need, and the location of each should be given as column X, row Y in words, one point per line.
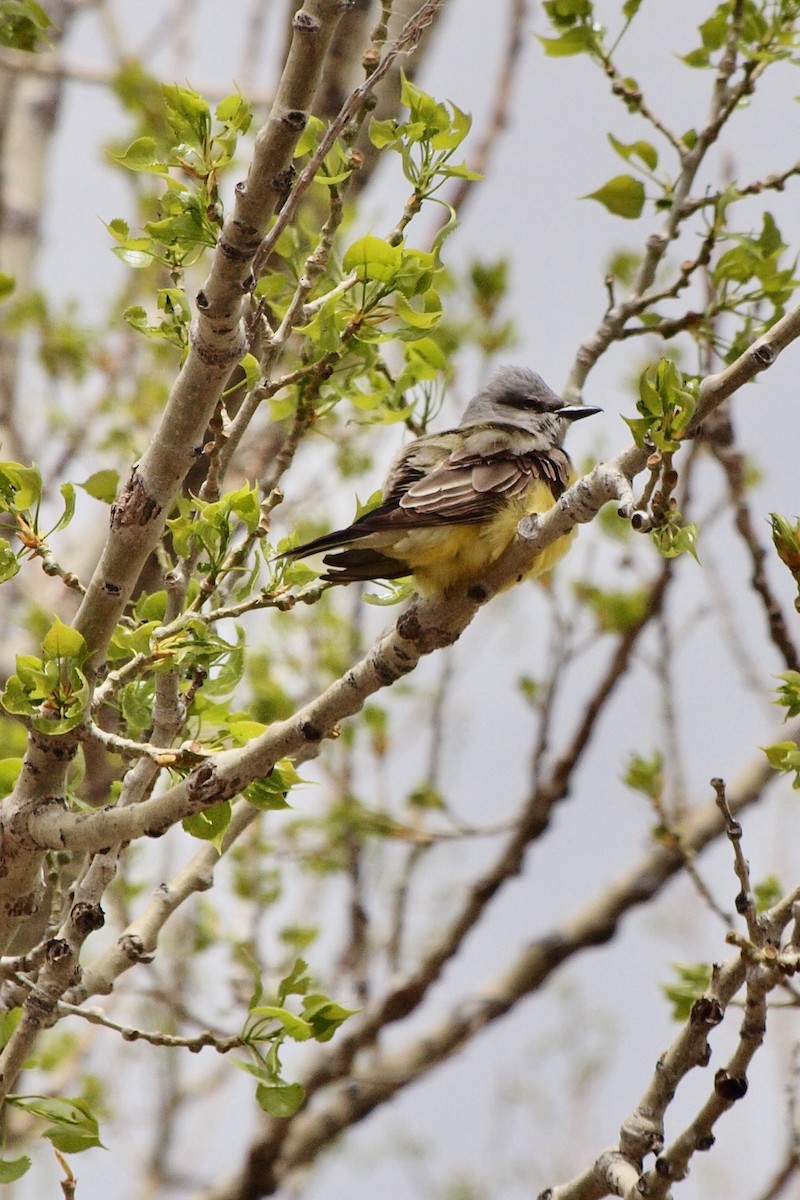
column 138, row 516
column 217, row 336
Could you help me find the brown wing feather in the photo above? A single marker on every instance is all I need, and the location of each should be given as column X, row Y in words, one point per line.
column 349, row 566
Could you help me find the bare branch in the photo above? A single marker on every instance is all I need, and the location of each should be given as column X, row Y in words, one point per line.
column 285, row 1148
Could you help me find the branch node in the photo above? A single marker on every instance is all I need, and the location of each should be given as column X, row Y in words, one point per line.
column 305, row 22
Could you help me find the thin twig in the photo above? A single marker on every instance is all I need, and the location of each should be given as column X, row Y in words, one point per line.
column 745, row 901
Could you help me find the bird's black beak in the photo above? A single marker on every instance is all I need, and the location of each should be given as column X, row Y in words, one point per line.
column 576, row 412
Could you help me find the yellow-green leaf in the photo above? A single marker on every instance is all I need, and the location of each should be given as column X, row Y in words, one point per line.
column 623, row 195
column 373, row 258
column 62, row 641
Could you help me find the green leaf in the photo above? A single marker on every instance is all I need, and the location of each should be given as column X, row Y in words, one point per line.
column 459, row 125
column 786, row 539
column 425, row 112
column 675, row 539
column 578, row 40
column 20, row 487
column 784, row 756
column 645, row 775
column 73, row 1128
column 667, row 404
column 68, row 496
column 615, row 610
column 141, row 156
column 416, row 319
column 7, row 285
column 9, row 563
column 693, row 981
column 16, row 700
column 13, row 1168
column 396, row 593
column 269, row 793
column 23, row 24
column 211, row 824
column 62, row 641
column 235, row 111
column 136, row 258
column 296, row 1027
column 714, row 30
column 296, row 983
column 644, row 151
column 324, row 1016
column 281, row 1099
column 427, row 796
column 188, row 115
column 252, row 371
column 564, row 13
column 9, row 773
column 767, row 893
column 309, row 138
column 789, row 692
column 373, row 258
column 623, row 195
column 8, row 1023
column 630, row 9
column 102, row 485
column 383, row 133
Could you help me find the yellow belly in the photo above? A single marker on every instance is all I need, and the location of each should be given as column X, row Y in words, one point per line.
column 444, row 557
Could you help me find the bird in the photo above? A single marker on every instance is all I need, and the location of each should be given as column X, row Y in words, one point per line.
column 452, row 501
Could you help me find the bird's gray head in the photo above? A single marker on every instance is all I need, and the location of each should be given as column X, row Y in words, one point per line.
column 518, row 396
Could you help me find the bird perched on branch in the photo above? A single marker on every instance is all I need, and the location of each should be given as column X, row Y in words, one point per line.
column 452, row 501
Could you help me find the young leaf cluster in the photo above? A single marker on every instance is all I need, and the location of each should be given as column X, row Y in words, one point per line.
column 270, row 1025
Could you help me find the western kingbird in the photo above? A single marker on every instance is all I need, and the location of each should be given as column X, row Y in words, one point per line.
column 452, row 501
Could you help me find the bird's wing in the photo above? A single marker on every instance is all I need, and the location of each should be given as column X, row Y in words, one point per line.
column 474, row 473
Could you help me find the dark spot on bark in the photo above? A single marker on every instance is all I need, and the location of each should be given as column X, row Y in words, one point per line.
column 706, row 1011
column 705, row 1142
column 408, row 625
column 729, row 1087
column 241, row 188
column 133, row 948
column 23, row 906
column 384, row 672
column 238, row 254
column 223, row 358
column 248, row 283
column 295, row 118
column 57, row 950
column 202, row 786
column 202, row 301
column 111, row 589
column 477, row 593
column 282, row 182
column 133, row 506
column 305, row 22
column 311, row 732
column 87, row 917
